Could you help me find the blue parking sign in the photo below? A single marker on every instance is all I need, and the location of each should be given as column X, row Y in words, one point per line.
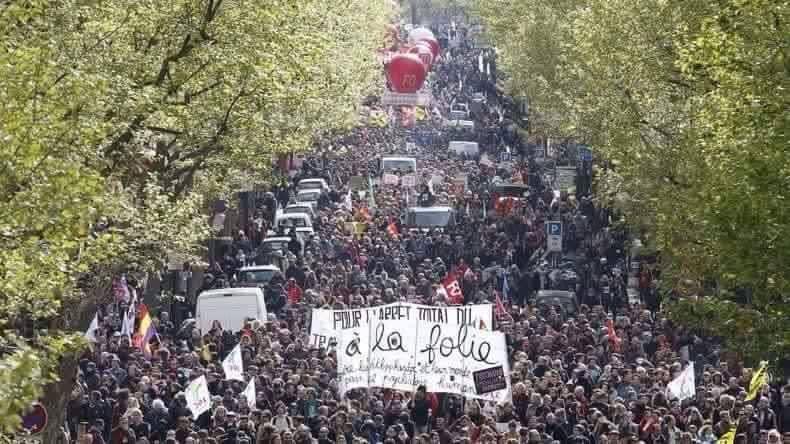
column 554, row 236
column 585, row 154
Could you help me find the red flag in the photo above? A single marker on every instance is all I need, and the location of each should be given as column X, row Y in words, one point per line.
column 392, row 230
column 499, row 309
column 452, row 290
column 614, row 341
column 294, row 292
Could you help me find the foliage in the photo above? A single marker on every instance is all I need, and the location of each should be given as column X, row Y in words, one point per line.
column 687, row 101
column 120, row 120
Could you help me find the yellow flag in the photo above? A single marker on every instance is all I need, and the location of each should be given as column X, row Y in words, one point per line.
column 419, row 113
column 727, row 438
column 759, row 379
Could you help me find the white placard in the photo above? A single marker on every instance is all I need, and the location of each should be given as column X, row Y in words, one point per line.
column 403, row 352
column 198, row 397
column 325, row 325
column 409, row 181
column 390, row 179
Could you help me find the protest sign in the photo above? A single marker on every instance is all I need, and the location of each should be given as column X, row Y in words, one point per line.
column 409, row 181
column 198, row 397
column 402, row 352
column 325, row 324
column 390, row 179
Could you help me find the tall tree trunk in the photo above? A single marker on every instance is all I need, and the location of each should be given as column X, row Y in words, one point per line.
column 96, row 289
column 56, row 398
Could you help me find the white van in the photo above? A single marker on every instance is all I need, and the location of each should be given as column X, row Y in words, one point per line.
column 407, row 165
column 229, row 306
column 292, row 220
column 468, row 148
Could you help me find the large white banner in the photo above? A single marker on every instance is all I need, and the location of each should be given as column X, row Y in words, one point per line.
column 405, row 353
column 325, row 325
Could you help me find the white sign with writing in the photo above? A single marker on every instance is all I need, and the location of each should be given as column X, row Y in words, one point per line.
column 405, row 353
column 326, row 324
column 409, row 181
column 390, row 179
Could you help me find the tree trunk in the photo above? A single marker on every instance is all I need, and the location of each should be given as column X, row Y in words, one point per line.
column 96, row 289
column 56, row 398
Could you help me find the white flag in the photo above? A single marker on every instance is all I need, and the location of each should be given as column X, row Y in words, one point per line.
column 683, row 386
column 249, row 394
column 198, row 397
column 90, row 334
column 347, row 204
column 127, row 327
column 233, row 365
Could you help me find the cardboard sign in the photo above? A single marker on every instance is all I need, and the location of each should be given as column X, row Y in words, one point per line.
column 489, row 380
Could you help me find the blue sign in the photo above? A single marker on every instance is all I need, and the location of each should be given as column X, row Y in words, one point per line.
column 554, row 238
column 585, row 154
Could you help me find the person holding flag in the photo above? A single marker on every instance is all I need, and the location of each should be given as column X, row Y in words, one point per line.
column 145, row 332
column 759, row 379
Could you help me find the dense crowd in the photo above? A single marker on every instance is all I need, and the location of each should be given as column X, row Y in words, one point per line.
column 598, row 375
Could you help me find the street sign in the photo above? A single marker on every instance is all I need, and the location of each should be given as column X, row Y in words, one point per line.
column 565, row 178
column 36, row 419
column 390, row 98
column 554, row 236
column 585, row 154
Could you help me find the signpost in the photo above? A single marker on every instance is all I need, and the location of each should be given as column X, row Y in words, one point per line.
column 554, row 236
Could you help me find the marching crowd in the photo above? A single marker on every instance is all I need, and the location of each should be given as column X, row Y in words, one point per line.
column 598, row 375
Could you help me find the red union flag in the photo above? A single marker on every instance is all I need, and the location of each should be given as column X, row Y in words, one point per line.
column 452, row 290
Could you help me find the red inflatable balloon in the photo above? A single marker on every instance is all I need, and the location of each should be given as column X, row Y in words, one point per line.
column 406, row 73
column 424, row 52
column 434, row 44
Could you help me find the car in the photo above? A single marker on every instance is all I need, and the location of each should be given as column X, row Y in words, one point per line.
column 467, row 148
column 292, row 220
column 459, row 111
column 565, row 300
column 406, row 165
column 257, row 275
column 299, row 207
column 313, row 184
column 426, row 218
column 465, row 125
column 309, row 197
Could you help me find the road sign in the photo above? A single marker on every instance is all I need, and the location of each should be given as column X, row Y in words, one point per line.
column 36, row 419
column 585, row 154
column 554, row 236
column 405, row 99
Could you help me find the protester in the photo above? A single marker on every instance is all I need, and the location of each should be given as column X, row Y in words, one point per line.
column 596, row 375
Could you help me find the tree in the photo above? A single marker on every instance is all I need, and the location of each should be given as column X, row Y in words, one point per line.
column 683, row 99
column 117, row 118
